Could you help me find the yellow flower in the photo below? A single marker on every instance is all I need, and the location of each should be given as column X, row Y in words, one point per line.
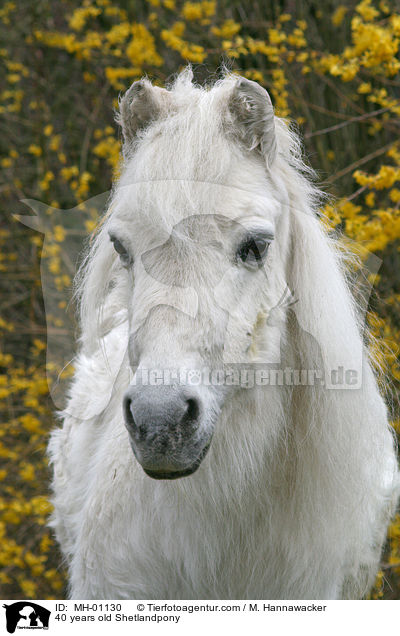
column 119, row 33
column 68, row 173
column 28, row 588
column 142, row 49
column 31, row 423
column 338, row 16
column 275, row 36
column 109, row 149
column 41, row 506
column 370, row 199
column 365, row 10
column 395, row 23
column 36, row 150
column 89, row 77
column 79, row 17
column 27, row 472
column 44, row 184
column 190, row 52
column 197, row 10
column 365, row 87
column 54, row 143
column 45, row 543
column 90, row 226
column 54, row 266
column 227, row 30
column 395, row 195
column 254, row 75
column 296, row 38
column 59, row 233
column 6, row 326
column 115, row 74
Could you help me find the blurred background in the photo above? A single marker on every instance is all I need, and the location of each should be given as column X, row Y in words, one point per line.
column 331, row 67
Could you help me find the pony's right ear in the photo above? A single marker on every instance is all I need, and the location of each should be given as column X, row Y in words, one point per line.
column 251, row 109
column 141, row 104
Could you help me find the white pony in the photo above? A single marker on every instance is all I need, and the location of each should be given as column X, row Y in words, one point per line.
column 216, row 486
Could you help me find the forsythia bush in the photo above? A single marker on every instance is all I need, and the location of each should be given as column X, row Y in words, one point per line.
column 332, row 67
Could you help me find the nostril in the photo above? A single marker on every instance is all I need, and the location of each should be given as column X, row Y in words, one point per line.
column 192, row 409
column 157, row 414
column 128, row 412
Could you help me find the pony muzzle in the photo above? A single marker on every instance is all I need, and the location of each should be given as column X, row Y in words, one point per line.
column 165, row 429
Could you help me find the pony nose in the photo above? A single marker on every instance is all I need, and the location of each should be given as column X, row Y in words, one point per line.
column 157, row 411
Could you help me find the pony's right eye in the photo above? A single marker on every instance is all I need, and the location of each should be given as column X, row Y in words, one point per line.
column 120, row 249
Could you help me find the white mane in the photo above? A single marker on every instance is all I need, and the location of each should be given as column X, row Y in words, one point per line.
column 295, row 494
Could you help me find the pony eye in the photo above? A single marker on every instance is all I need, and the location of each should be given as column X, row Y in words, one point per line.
column 253, row 251
column 120, row 249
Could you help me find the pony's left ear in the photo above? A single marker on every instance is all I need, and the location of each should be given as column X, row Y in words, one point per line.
column 253, row 114
column 142, row 104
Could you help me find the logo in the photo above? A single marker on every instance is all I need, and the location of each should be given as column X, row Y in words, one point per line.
column 26, row 615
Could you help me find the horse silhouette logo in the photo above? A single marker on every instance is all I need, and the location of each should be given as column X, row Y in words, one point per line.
column 26, row 615
column 183, row 292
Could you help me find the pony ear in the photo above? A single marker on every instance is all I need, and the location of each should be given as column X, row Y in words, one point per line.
column 253, row 113
column 141, row 104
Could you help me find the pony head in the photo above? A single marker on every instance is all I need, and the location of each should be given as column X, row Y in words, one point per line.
column 194, row 249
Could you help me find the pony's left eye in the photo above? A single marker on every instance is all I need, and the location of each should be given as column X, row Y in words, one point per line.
column 252, row 251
